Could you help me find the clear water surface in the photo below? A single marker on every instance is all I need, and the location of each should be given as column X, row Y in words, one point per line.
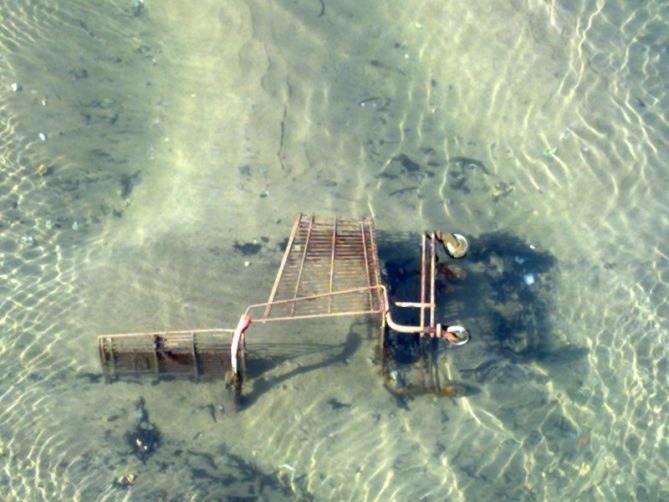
column 140, row 141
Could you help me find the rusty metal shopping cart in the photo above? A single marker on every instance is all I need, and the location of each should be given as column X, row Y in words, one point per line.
column 330, row 268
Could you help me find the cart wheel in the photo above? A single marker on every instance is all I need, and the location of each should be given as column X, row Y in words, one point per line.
column 457, row 247
column 460, row 335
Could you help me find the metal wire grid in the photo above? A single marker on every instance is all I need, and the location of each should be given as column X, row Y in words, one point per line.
column 202, row 354
column 330, row 268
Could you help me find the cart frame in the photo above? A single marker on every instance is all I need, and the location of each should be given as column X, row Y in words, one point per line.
column 330, row 268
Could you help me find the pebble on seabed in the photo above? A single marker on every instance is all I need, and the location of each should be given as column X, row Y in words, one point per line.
column 16, row 87
column 28, row 240
column 42, row 136
column 125, row 481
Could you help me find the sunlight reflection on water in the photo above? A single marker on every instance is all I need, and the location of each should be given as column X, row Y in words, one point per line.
column 138, row 144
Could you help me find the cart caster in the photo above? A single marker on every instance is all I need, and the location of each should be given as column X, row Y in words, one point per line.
column 456, row 245
column 455, row 335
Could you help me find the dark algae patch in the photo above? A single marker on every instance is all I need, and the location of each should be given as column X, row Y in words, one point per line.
column 517, row 353
column 216, row 474
column 409, row 165
column 337, row 405
column 460, row 170
column 516, row 280
column 128, row 183
column 247, row 248
column 241, row 479
column 501, row 294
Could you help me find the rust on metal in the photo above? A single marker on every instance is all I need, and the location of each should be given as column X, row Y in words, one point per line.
column 282, row 266
column 202, row 355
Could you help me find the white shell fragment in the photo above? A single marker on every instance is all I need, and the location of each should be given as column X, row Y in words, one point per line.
column 28, row 240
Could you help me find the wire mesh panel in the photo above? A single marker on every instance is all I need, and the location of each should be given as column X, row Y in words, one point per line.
column 197, row 355
column 330, row 267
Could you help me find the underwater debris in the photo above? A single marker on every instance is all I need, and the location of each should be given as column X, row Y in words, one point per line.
column 138, row 8
column 145, row 439
column 125, row 481
column 501, row 190
column 376, row 103
column 43, row 169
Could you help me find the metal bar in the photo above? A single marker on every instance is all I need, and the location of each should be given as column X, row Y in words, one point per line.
column 242, row 325
column 304, row 257
column 243, row 351
column 401, row 328
column 434, row 366
column 417, row 305
column 382, row 298
column 432, row 274
column 332, row 262
column 103, row 358
column 108, row 364
column 313, row 297
column 196, row 364
column 155, row 354
column 364, row 248
column 316, row 316
column 422, row 281
column 424, row 362
column 377, row 270
column 383, row 293
column 113, row 358
column 283, row 264
column 181, row 332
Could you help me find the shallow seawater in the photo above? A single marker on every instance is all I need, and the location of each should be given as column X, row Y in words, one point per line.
column 143, row 144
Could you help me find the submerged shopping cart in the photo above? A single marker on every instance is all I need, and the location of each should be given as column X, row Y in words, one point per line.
column 330, row 268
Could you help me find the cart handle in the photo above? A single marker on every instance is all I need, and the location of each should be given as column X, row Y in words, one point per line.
column 237, row 338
